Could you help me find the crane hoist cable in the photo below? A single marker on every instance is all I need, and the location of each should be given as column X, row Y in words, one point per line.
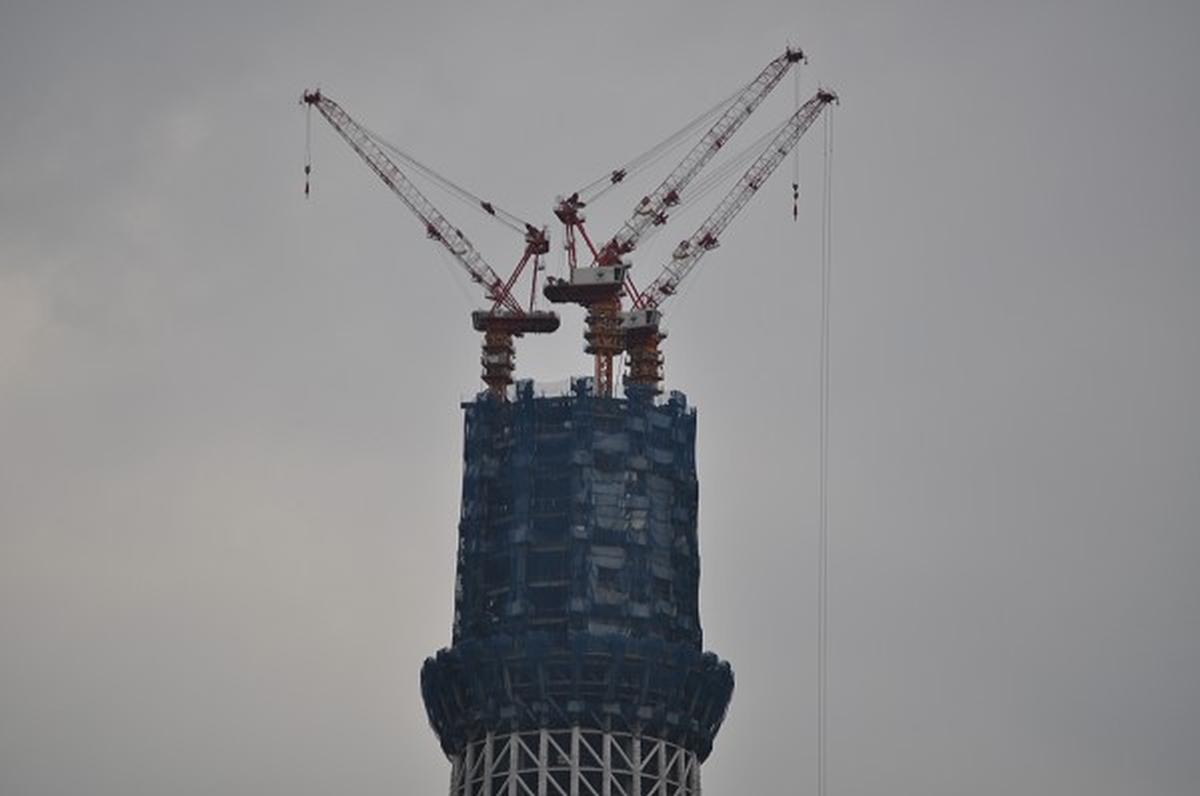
column 651, row 210
column 720, row 175
column 639, row 163
column 491, row 209
column 715, row 179
column 823, row 523
column 307, row 148
column 705, row 184
column 796, row 157
column 508, row 219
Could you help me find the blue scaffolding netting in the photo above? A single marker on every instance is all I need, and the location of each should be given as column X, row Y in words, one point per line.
column 576, row 598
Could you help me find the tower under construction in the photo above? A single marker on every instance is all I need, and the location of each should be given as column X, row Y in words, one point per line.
column 577, row 664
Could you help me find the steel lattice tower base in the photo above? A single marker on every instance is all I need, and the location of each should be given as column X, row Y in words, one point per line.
column 574, row 762
column 576, row 667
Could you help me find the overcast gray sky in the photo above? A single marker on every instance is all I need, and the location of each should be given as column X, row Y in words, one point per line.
column 230, row 438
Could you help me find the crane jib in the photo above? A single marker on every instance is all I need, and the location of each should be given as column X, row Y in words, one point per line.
column 506, row 318
column 707, row 237
column 437, row 227
column 651, row 210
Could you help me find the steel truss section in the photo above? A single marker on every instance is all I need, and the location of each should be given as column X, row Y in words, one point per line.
column 574, row 762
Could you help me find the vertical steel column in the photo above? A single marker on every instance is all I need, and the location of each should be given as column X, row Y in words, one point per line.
column 606, row 781
column 636, row 764
column 664, row 768
column 543, row 761
column 575, row 760
column 488, row 765
column 468, row 788
column 514, row 763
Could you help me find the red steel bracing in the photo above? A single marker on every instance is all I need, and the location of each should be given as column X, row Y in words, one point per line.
column 652, row 209
column 536, row 244
column 707, row 236
column 634, row 294
column 512, row 280
column 436, row 225
column 568, row 213
column 537, row 266
column 570, row 244
column 586, row 239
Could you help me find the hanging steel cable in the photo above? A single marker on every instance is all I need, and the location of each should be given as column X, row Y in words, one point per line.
column 709, row 182
column 508, row 219
column 823, row 525
column 720, row 175
column 602, row 185
column 307, row 147
column 796, row 159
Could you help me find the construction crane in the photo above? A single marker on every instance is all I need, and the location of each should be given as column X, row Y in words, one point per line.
column 598, row 288
column 641, row 327
column 506, row 318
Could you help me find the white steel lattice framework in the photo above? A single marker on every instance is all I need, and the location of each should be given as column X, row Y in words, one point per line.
column 574, row 762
